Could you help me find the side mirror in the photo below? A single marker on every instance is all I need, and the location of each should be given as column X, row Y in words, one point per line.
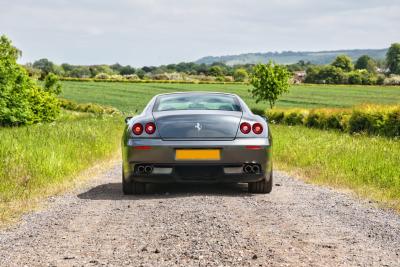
column 127, row 119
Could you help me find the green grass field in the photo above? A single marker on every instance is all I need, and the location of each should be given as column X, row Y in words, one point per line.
column 131, row 97
column 368, row 165
column 37, row 160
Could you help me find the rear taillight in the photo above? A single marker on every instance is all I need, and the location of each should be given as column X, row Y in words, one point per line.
column 245, row 127
column 257, row 128
column 150, row 128
column 137, row 129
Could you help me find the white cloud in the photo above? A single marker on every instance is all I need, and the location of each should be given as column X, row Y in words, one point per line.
column 146, row 32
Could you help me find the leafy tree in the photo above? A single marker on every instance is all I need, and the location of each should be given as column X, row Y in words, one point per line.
column 52, row 84
column 216, row 71
column 67, row 67
column 269, row 82
column 355, row 77
column 343, row 62
column 127, row 70
column 331, row 75
column 365, row 62
column 140, row 73
column 240, row 75
column 96, row 69
column 393, row 58
column 21, row 100
column 148, row 69
column 325, row 74
column 81, row 72
column 45, row 66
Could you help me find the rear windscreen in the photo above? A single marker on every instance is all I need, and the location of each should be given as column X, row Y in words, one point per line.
column 197, row 102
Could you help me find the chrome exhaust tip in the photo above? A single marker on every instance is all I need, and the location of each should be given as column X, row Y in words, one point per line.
column 256, row 169
column 148, row 169
column 247, row 168
column 141, row 169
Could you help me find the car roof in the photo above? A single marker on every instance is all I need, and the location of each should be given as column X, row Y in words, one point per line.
column 197, row 93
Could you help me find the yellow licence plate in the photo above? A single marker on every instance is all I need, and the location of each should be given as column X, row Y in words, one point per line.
column 197, row 154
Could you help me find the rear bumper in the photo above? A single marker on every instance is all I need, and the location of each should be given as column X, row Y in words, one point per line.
column 160, row 155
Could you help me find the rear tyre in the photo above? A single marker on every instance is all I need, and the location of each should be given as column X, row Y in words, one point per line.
column 261, row 187
column 131, row 188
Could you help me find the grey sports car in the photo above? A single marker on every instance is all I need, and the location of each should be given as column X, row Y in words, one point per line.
column 197, row 137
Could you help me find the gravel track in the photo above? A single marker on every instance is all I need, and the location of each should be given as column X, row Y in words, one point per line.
column 204, row 225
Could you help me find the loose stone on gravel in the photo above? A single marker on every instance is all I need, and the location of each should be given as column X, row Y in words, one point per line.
column 298, row 224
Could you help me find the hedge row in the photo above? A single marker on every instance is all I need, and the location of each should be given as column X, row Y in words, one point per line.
column 144, row 81
column 87, row 107
column 369, row 119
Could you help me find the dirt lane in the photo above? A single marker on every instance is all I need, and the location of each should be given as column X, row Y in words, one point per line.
column 296, row 225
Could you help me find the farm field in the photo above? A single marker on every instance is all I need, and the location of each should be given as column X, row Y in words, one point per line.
column 132, row 97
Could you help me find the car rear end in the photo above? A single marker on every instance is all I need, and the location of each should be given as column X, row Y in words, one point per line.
column 200, row 145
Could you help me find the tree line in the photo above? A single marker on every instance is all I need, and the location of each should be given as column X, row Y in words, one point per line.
column 365, row 70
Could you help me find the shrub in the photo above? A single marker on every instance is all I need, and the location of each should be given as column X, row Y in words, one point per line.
column 131, row 77
column 258, row 111
column 228, row 79
column 392, row 80
column 380, row 80
column 368, row 119
column 293, row 118
column 326, row 75
column 103, row 76
column 240, row 75
column 355, row 77
column 332, row 75
column 220, row 78
column 275, row 116
column 392, row 123
column 51, row 84
column 324, row 119
column 21, row 100
column 88, row 107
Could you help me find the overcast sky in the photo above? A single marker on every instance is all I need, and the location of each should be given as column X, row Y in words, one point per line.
column 154, row 32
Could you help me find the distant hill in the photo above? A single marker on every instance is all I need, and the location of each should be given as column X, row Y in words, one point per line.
column 289, row 57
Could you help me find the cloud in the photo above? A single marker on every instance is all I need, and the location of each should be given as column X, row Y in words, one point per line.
column 152, row 32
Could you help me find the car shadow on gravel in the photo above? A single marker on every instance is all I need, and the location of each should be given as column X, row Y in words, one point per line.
column 113, row 191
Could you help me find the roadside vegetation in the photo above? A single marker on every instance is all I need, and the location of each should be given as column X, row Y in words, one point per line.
column 365, row 119
column 43, row 159
column 44, row 147
column 22, row 101
column 370, row 166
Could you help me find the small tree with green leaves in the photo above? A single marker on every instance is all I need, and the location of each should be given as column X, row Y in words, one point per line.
column 52, row 84
column 269, row 81
column 393, row 58
column 365, row 62
column 343, row 62
column 240, row 75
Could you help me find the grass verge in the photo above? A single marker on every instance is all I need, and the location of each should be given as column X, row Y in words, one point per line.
column 370, row 166
column 38, row 160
